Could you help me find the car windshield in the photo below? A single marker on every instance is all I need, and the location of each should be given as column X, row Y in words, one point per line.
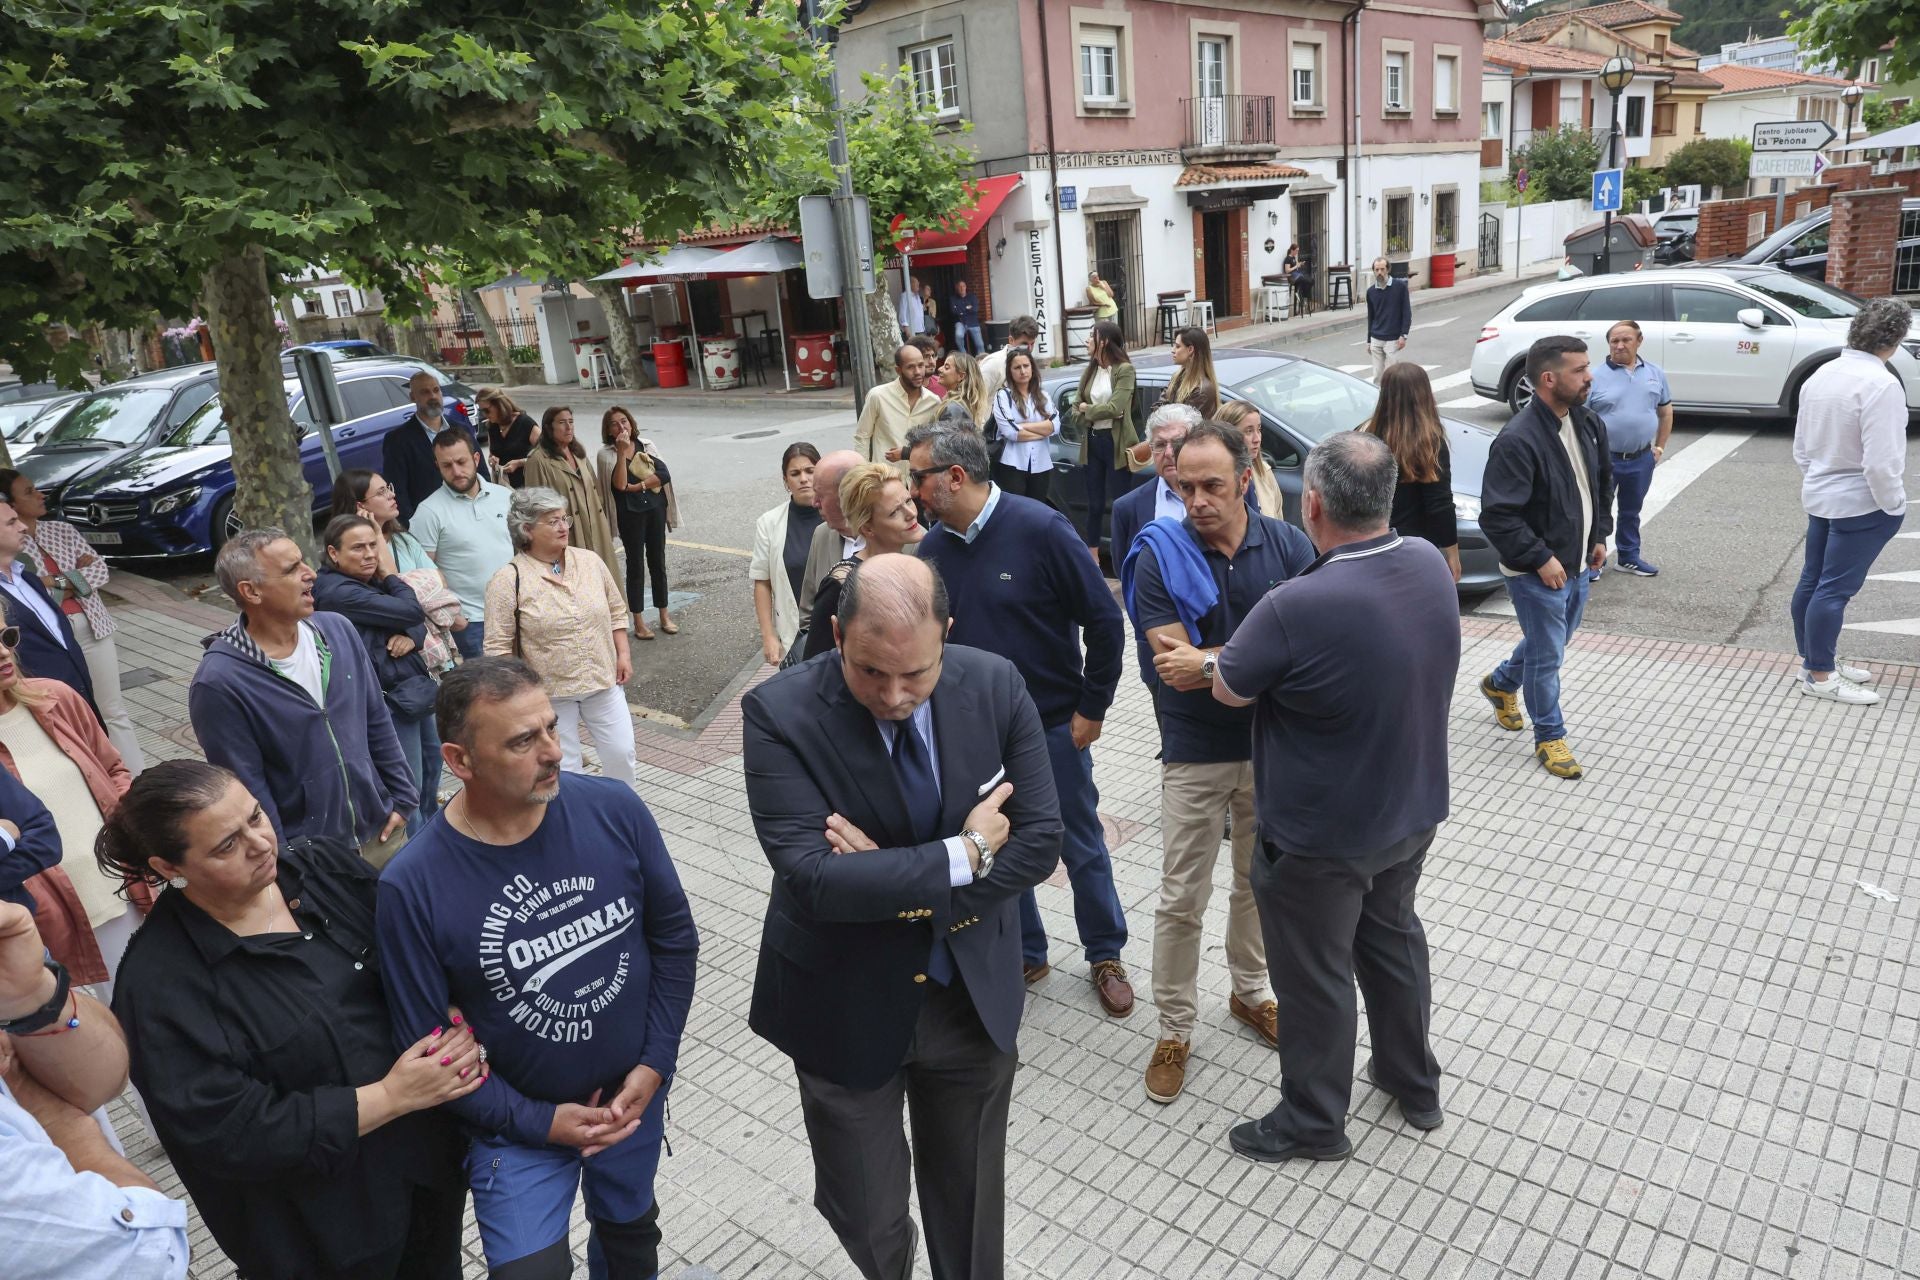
column 116, row 417
column 207, row 425
column 1313, row 400
column 19, row 415
column 1813, row 299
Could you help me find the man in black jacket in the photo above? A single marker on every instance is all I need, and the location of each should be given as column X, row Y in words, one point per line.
column 901, row 790
column 1546, row 504
column 406, row 455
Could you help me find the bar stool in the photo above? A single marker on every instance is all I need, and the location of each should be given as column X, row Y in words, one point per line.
column 1275, row 303
column 1173, row 316
column 1339, row 288
column 604, row 373
column 1200, row 311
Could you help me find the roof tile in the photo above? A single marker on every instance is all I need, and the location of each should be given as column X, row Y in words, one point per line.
column 1203, row 175
column 1738, row 79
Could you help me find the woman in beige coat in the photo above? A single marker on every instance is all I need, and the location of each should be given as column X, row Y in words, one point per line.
column 559, row 462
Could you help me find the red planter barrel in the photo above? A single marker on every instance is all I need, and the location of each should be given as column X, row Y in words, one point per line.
column 1441, row 271
column 670, row 364
column 812, row 355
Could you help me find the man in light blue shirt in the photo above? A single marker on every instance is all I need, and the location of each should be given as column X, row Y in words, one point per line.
column 463, row 526
column 1632, row 398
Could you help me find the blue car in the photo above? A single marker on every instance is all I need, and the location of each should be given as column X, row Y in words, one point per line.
column 176, row 497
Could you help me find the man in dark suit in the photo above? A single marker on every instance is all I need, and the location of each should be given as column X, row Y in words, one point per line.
column 406, row 455
column 1141, row 505
column 902, row 792
column 47, row 645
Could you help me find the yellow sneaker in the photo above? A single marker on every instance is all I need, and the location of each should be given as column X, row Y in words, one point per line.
column 1506, row 706
column 1556, row 759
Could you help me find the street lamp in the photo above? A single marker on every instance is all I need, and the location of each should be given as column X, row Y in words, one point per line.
column 1851, row 95
column 1616, row 76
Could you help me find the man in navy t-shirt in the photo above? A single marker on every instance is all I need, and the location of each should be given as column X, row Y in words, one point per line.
column 1206, row 747
column 544, row 906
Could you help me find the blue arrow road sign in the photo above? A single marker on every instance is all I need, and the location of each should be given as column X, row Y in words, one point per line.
column 1606, row 191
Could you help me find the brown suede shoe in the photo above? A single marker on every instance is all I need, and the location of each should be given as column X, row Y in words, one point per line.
column 1264, row 1018
column 1111, row 985
column 1167, row 1071
column 1034, row 972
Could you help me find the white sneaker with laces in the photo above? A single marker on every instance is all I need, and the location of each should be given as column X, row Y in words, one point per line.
column 1859, row 675
column 1837, row 688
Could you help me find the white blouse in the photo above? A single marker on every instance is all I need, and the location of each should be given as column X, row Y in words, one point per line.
column 1030, row 456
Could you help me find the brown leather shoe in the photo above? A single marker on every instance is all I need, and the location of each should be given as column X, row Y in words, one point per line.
column 1167, row 1071
column 1111, row 985
column 1264, row 1018
column 1034, row 972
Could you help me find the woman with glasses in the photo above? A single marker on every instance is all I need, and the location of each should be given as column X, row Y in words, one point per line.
column 1024, row 420
column 557, row 607
column 1242, row 415
column 1103, row 408
column 559, row 462
column 73, row 574
column 52, row 742
column 367, row 494
column 879, row 509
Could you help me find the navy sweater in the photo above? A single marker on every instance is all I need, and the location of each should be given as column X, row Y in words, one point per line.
column 571, row 954
column 1389, row 311
column 1025, row 588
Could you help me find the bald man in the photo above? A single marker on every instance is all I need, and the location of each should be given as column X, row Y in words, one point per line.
column 406, row 455
column 901, row 790
column 895, row 409
column 832, row 540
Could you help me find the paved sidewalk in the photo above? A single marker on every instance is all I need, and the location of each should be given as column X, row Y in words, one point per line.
column 1679, row 1034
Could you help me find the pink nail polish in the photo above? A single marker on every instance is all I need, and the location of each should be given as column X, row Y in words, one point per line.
column 447, row 1061
column 438, row 1030
column 464, row 1071
column 456, row 1019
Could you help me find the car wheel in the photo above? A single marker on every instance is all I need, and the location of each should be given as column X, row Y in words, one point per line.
column 224, row 523
column 1519, row 391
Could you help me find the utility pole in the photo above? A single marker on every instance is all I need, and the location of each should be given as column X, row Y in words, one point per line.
column 853, row 271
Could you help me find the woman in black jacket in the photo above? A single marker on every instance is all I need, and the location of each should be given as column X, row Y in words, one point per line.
column 1406, row 417
column 258, row 1035
column 393, row 626
column 510, row 435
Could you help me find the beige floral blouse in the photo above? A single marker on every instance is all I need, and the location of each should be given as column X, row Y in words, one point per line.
column 563, row 622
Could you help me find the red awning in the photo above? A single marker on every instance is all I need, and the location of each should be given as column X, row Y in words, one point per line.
column 951, row 246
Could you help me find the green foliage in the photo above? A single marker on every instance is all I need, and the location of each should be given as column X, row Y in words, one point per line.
column 524, row 355
column 477, row 355
column 1560, row 164
column 1848, row 32
column 1641, row 184
column 1710, row 162
column 1878, row 116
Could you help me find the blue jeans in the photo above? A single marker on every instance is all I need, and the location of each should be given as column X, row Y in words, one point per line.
column 420, row 744
column 1083, row 846
column 523, row 1196
column 1631, row 480
column 1100, row 477
column 1548, row 619
column 468, row 642
column 960, row 334
column 1839, row 553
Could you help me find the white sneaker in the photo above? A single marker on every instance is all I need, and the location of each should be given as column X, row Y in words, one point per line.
column 1838, row 688
column 1859, row 675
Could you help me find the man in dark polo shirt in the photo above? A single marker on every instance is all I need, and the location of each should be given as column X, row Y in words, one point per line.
column 1224, row 547
column 1350, row 667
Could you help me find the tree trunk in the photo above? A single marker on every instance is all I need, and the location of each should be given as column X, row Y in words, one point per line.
column 272, row 488
column 883, row 326
column 414, row 340
column 626, row 351
column 502, row 352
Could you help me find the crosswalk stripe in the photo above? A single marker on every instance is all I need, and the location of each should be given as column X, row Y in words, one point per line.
column 1452, row 380
column 1435, row 324
column 1892, row 627
column 1904, row 575
column 1465, row 402
column 1354, row 368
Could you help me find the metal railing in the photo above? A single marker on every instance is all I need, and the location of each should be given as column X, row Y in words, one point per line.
column 1229, row 120
column 463, row 341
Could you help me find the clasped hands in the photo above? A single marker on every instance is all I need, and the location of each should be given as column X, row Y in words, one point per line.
column 593, row 1128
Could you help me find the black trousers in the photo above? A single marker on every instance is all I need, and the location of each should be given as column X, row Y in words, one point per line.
column 1328, row 922
column 431, row 1250
column 1028, row 484
column 644, row 535
column 957, row 1086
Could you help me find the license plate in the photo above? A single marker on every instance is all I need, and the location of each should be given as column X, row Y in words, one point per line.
column 102, row 539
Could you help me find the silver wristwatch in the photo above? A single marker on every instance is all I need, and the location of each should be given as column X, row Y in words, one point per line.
column 985, row 851
column 1209, row 665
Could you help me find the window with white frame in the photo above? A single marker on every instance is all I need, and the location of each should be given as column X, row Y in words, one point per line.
column 1636, row 126
column 1446, row 83
column 1446, row 217
column 1396, row 80
column 1210, row 68
column 1493, row 119
column 936, row 81
column 1305, row 61
column 1399, row 228
column 1099, row 64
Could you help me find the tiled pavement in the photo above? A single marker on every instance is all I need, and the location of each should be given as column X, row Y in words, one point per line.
column 1679, row 1036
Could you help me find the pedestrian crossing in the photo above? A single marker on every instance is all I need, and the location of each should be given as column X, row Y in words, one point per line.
column 1446, row 382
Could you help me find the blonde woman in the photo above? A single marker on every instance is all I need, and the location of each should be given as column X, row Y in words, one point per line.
column 969, row 404
column 511, row 434
column 1241, row 414
column 879, row 509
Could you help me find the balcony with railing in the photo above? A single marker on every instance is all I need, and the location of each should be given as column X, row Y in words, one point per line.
column 1233, row 126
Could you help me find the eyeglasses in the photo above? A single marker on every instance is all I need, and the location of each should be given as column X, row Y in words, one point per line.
column 558, row 520
column 384, row 491
column 9, row 637
column 921, row 473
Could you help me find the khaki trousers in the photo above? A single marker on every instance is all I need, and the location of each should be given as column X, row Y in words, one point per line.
column 380, row 852
column 1194, row 800
column 1383, row 352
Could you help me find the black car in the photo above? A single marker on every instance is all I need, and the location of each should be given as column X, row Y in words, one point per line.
column 1301, row 403
column 1801, row 247
column 103, row 426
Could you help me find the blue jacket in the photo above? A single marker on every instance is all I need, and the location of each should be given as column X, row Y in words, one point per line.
column 335, row 772
column 380, row 610
column 38, row 846
column 1183, row 567
column 1389, row 311
column 964, row 310
column 53, row 654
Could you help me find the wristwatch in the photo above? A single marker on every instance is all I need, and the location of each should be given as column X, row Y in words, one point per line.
column 1209, row 665
column 984, row 849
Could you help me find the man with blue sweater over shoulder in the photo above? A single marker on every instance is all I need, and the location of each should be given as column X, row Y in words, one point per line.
column 545, row 908
column 1022, row 586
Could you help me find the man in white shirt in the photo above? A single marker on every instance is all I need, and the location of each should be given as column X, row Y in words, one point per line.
column 1850, row 443
column 893, row 409
column 463, row 526
column 1023, row 331
column 47, row 645
column 913, row 313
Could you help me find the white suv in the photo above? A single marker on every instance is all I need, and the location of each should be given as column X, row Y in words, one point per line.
column 1733, row 339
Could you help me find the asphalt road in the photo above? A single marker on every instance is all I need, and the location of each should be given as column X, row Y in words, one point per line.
column 1727, row 529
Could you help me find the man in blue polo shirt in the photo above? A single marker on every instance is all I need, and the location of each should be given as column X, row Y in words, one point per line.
column 1351, row 666
column 463, row 526
column 1225, row 548
column 1632, row 398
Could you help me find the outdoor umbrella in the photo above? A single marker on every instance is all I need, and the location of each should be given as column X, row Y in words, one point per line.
column 679, row 264
column 1906, row 135
column 768, row 256
column 514, row 281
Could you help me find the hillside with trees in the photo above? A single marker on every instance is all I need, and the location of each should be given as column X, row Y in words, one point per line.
column 1712, row 23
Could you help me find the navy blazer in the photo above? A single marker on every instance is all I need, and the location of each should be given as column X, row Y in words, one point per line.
column 843, row 953
column 407, row 462
column 53, row 654
column 1132, row 512
column 38, row 846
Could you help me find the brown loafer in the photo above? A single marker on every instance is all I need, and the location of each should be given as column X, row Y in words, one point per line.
column 1264, row 1018
column 1111, row 985
column 1167, row 1070
column 1034, row 972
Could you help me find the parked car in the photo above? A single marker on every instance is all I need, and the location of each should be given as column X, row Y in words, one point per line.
column 1301, row 403
column 1676, row 223
column 176, row 498
column 1801, row 247
column 125, row 416
column 24, row 422
column 1734, row 340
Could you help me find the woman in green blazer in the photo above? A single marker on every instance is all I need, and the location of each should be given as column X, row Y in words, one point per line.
column 1104, row 410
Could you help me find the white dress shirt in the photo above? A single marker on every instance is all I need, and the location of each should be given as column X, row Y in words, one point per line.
column 1167, row 504
column 13, row 581
column 1850, row 438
